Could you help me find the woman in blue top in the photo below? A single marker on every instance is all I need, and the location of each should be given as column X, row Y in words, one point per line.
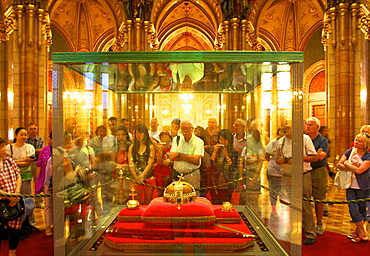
column 359, row 164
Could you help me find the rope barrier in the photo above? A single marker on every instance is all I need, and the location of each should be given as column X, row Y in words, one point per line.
column 95, row 187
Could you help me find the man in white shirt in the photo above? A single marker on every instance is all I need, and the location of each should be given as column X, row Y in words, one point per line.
column 284, row 158
column 186, row 154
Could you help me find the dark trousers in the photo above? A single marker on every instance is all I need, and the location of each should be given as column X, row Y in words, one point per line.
column 12, row 235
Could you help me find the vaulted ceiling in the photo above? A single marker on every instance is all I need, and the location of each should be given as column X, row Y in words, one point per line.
column 89, row 25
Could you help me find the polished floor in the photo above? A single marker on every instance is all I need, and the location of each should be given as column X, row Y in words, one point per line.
column 338, row 220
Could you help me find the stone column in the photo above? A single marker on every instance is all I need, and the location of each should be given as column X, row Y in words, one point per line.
column 345, row 51
column 26, row 36
column 7, row 26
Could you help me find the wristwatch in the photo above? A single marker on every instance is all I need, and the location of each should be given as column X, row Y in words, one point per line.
column 178, row 156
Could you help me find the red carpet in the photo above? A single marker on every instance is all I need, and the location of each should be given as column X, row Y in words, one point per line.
column 335, row 244
column 37, row 244
column 329, row 244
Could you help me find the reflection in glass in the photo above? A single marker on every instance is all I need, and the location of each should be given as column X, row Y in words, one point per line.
column 107, row 147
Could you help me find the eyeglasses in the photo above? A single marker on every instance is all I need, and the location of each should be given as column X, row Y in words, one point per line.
column 186, row 128
column 367, row 135
column 237, row 125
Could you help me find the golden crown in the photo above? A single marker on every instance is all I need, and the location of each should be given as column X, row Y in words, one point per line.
column 179, row 192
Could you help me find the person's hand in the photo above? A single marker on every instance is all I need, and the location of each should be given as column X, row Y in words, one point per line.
column 206, row 147
column 13, row 200
column 224, row 150
column 357, row 164
column 139, row 178
column 216, row 147
column 166, row 162
column 280, row 160
column 91, row 176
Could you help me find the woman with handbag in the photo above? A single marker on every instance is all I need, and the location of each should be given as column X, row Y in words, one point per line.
column 23, row 154
column 10, row 183
column 359, row 165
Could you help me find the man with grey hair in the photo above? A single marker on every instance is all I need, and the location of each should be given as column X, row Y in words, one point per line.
column 154, row 132
column 318, row 172
column 186, row 152
column 240, row 135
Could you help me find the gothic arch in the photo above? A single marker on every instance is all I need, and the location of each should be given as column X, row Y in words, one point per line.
column 287, row 24
column 104, row 40
column 310, row 32
column 315, row 73
column 84, row 23
column 268, row 40
column 64, row 35
column 186, row 25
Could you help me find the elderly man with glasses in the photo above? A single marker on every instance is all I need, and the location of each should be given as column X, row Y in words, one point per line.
column 186, row 152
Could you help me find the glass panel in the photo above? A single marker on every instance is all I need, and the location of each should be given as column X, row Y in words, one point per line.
column 103, row 111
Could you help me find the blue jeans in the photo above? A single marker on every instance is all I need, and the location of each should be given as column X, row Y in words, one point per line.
column 357, row 210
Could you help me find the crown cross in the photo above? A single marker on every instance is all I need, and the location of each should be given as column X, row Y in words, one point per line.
column 181, row 177
column 133, row 193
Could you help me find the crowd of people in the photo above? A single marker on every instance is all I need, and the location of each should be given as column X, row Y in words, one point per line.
column 210, row 157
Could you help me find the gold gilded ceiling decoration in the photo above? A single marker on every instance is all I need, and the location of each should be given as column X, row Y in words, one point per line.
column 83, row 23
column 289, row 22
column 186, row 25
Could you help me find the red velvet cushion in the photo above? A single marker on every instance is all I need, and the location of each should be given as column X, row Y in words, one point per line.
column 199, row 212
column 226, row 217
column 216, row 242
column 132, row 215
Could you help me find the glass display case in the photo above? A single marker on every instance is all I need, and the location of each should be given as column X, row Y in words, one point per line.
column 116, row 115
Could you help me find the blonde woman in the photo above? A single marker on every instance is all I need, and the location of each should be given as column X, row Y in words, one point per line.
column 359, row 165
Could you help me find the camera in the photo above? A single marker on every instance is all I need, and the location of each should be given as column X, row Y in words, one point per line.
column 286, row 159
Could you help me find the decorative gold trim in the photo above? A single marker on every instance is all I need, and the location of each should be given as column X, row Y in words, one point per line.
column 162, row 246
column 129, row 218
column 8, row 25
column 251, row 38
column 220, row 38
column 326, row 30
column 364, row 21
column 228, row 220
column 188, row 219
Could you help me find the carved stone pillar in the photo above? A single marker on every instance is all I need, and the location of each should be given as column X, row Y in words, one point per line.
column 346, row 57
column 137, row 36
column 237, row 35
column 26, row 36
column 7, row 26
